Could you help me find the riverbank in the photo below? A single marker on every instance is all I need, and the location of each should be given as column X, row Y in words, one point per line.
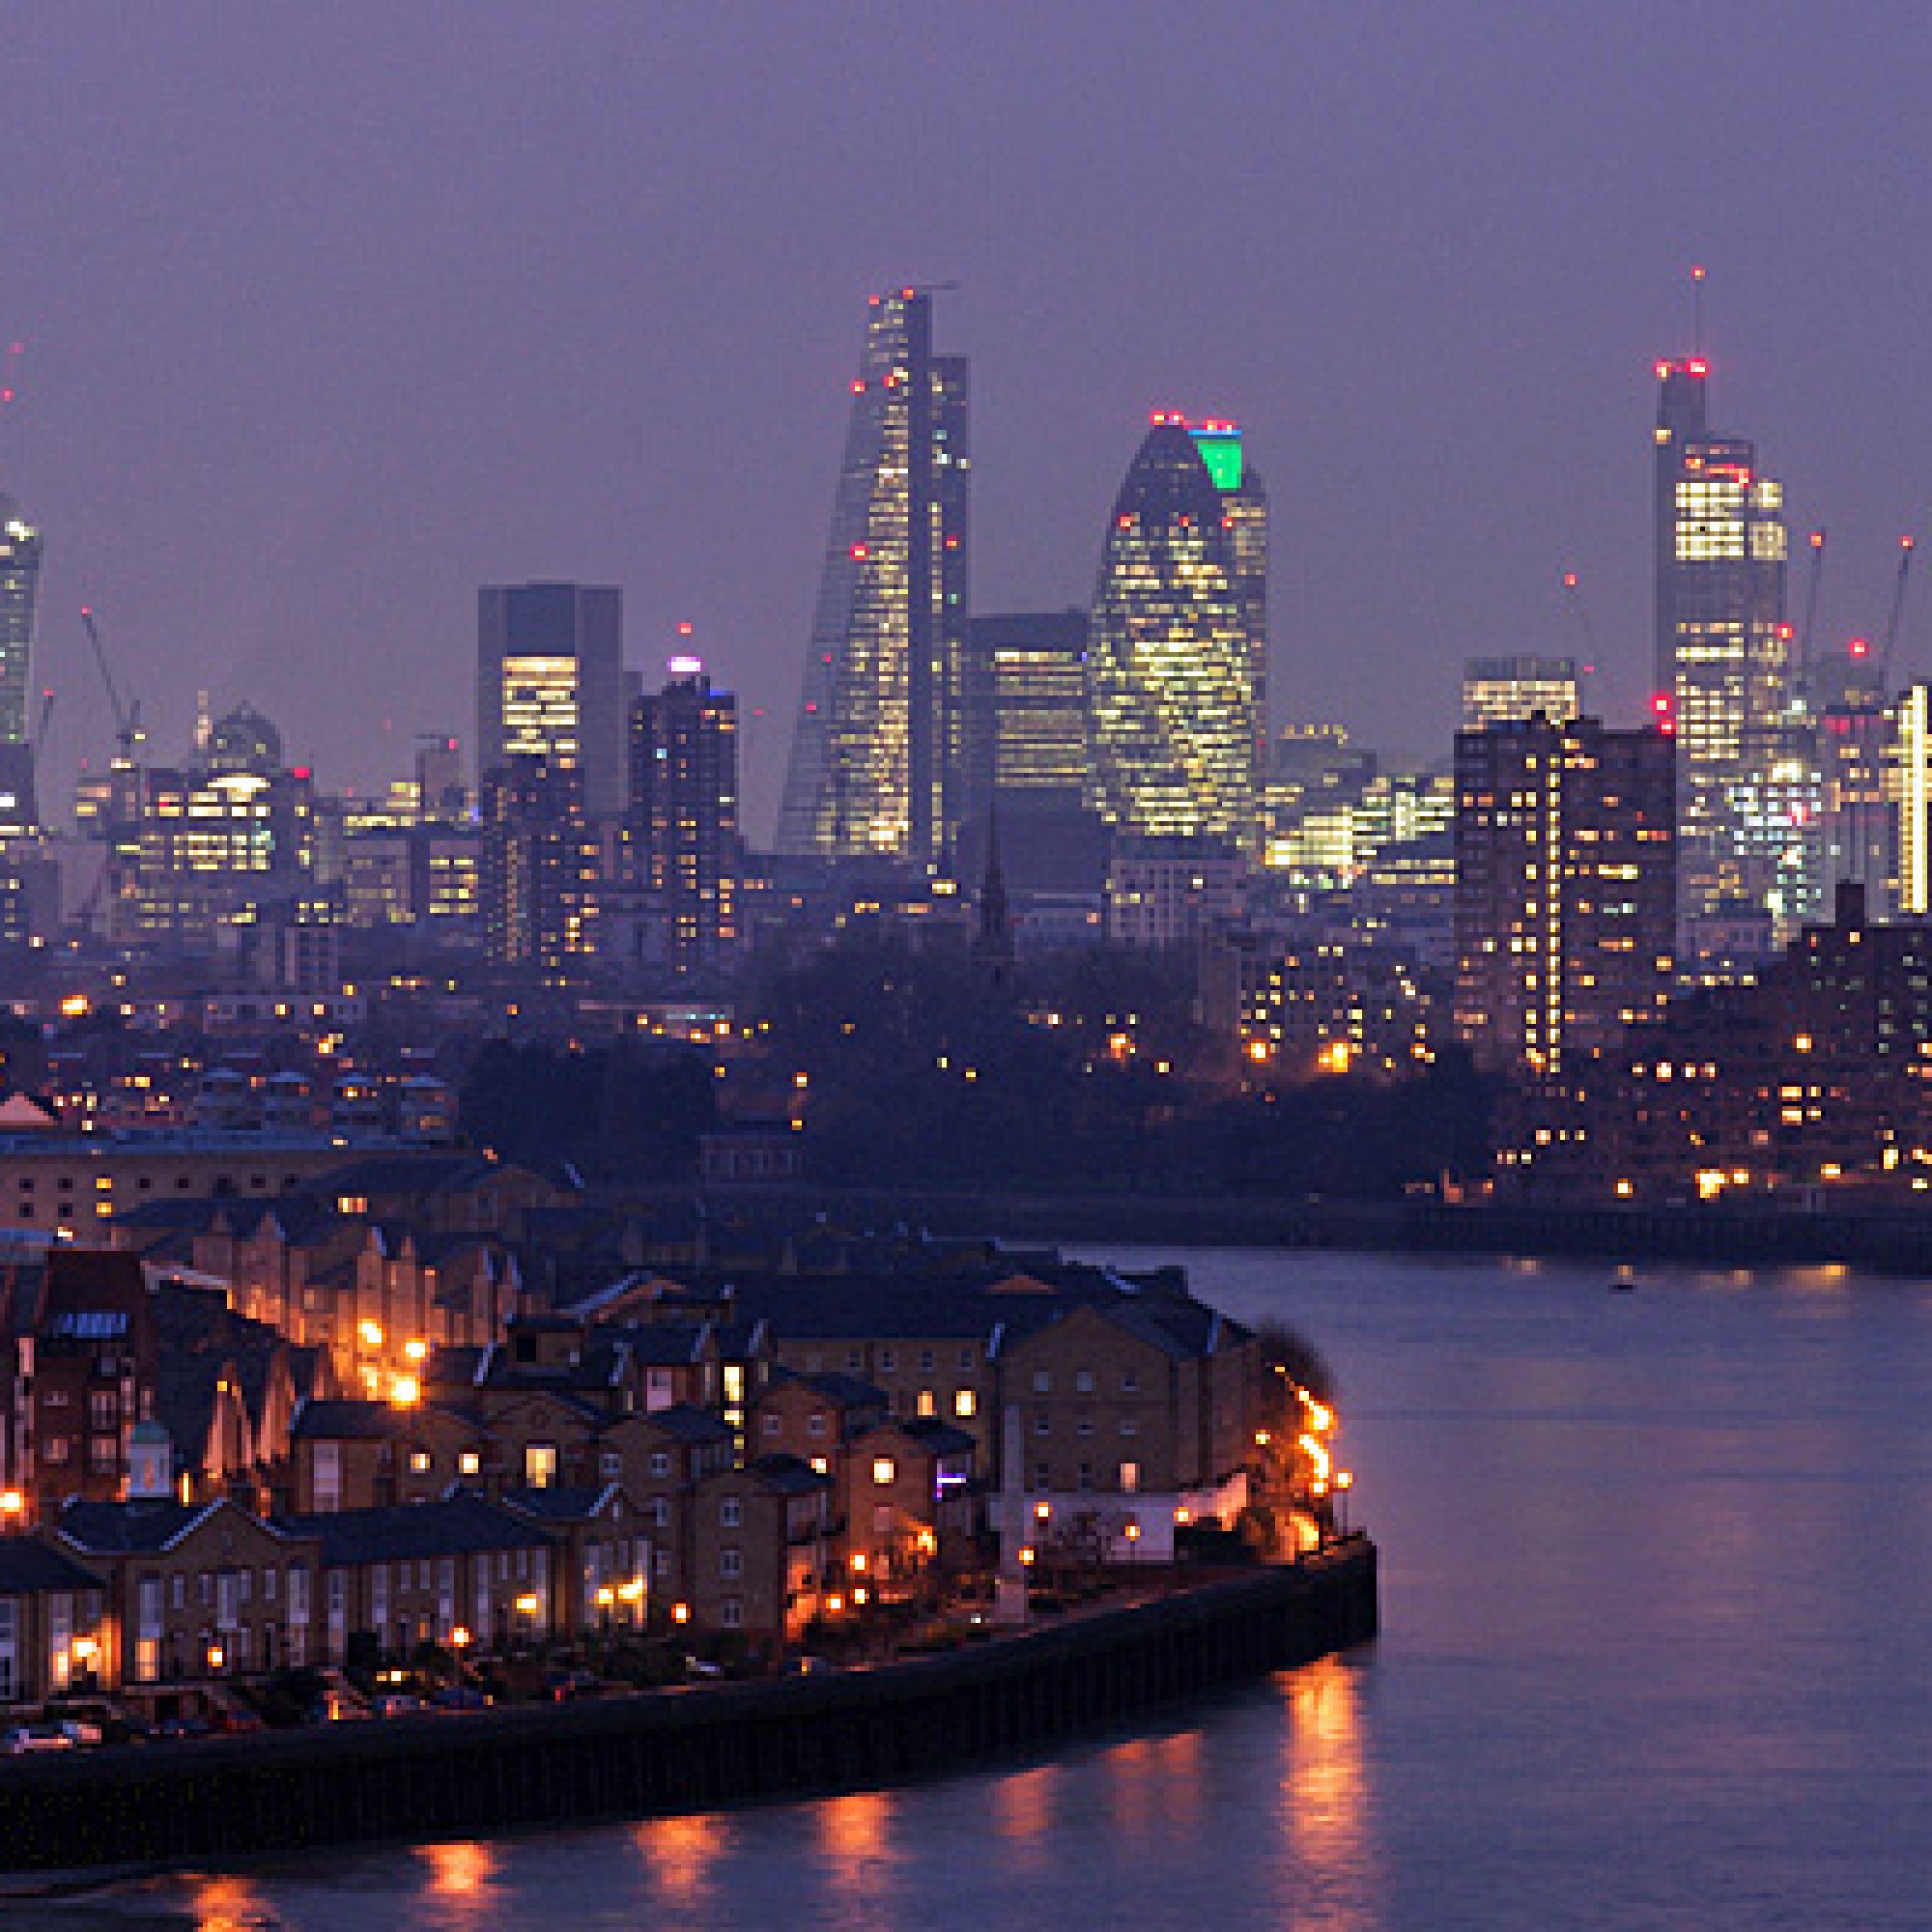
column 487, row 1772
column 1700, row 1235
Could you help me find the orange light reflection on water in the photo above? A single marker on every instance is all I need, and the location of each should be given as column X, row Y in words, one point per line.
column 226, row 1903
column 461, row 1880
column 1324, row 1785
column 682, row 1853
column 1023, row 1817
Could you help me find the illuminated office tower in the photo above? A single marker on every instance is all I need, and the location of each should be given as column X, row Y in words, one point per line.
column 1912, row 800
column 538, row 876
column 1565, row 889
column 20, row 588
column 550, row 675
column 683, row 819
column 1724, row 660
column 1495, row 690
column 1027, row 707
column 1169, row 657
column 878, row 764
column 1244, row 506
column 1857, row 775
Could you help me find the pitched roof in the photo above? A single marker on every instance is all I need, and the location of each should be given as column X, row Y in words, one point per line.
column 458, row 1525
column 576, row 1503
column 129, row 1528
column 27, row 1566
column 345, row 1422
column 687, row 1424
column 849, row 1391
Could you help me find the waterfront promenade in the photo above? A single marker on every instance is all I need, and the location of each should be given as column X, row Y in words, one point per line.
column 420, row 1778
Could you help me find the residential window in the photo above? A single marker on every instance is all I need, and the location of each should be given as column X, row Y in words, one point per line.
column 1130, row 1426
column 104, row 1453
column 1043, row 1475
column 774, row 1425
column 1086, row 1475
column 966, row 1359
column 927, row 1361
column 1130, row 1478
column 730, row 1562
column 205, row 1588
column 269, row 1584
column 731, row 1513
column 884, row 1470
column 965, row 1405
column 731, row 1614
column 1041, row 1426
column 418, row 1462
column 855, row 1360
column 660, row 1462
column 540, row 1465
column 104, row 1410
column 1083, row 1382
column 821, row 1465
column 468, row 1462
column 928, row 1403
column 882, row 1519
column 888, row 1361
column 178, row 1591
column 1083, row 1427
column 54, row 1450
column 1042, row 1382
column 1130, row 1381
column 661, row 1511
column 661, row 1562
column 814, row 1422
column 610, row 1463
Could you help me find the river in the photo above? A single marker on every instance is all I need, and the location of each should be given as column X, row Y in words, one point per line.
column 1657, row 1590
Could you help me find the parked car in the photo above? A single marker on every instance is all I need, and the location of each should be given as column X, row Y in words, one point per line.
column 396, row 1704
column 182, row 1727
column 233, row 1724
column 563, row 1687
column 460, row 1698
column 80, row 1732
column 23, row 1740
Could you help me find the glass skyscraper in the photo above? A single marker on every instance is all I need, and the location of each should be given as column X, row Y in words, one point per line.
column 1172, row 651
column 878, row 759
column 1724, row 665
column 20, row 588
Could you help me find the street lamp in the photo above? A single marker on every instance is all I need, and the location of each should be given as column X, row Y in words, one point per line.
column 12, row 1509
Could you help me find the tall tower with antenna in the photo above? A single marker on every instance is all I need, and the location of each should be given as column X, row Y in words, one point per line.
column 1725, row 671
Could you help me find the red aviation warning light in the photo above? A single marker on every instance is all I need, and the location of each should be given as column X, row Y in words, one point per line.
column 1664, row 715
column 1860, row 649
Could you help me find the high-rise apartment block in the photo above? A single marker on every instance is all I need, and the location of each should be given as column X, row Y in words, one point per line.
column 541, row 867
column 683, row 814
column 1566, row 886
column 1172, row 657
column 1497, row 689
column 550, row 675
column 878, row 766
column 1724, row 670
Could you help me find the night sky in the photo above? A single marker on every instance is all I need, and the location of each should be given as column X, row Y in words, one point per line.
column 332, row 313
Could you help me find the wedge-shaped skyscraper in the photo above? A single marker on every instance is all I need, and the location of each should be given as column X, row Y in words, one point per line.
column 877, row 763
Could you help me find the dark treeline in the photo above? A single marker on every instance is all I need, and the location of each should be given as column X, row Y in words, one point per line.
column 1087, row 1071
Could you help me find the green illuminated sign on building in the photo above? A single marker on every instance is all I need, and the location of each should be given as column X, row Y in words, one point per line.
column 1220, row 447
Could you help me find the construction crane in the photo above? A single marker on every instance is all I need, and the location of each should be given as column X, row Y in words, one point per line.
column 1586, row 664
column 127, row 714
column 1905, row 549
column 1808, row 665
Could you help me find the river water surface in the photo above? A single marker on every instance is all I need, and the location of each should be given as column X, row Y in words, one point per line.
column 1657, row 1592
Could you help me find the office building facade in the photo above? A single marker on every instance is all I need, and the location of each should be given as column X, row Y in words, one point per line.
column 878, row 766
column 1170, row 659
column 1725, row 671
column 1497, row 689
column 550, row 675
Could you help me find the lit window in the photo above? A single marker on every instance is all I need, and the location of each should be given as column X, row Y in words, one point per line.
column 884, row 1470
column 965, row 1404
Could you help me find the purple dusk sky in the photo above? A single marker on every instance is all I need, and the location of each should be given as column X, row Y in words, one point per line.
column 334, row 312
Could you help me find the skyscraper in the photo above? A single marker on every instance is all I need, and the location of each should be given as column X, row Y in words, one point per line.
column 683, row 818
column 1026, row 690
column 550, row 673
column 20, row 588
column 1171, row 655
column 1245, row 507
column 540, row 867
column 1566, row 888
column 878, row 764
column 1724, row 660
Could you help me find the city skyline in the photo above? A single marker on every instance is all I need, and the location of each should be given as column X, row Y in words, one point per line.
column 463, row 360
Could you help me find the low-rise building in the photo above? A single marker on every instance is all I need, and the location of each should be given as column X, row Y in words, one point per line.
column 51, row 1622
column 759, row 1550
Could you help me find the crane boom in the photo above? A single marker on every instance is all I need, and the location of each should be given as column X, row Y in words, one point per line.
column 1898, row 614
column 127, row 717
column 1806, row 663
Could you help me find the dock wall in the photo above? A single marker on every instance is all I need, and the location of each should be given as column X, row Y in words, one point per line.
column 215, row 1800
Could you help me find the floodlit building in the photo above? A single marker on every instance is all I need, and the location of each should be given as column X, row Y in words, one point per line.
column 1027, row 697
column 1724, row 670
column 20, row 590
column 1171, row 656
column 877, row 759
column 1495, row 690
column 550, row 673
column 1565, row 888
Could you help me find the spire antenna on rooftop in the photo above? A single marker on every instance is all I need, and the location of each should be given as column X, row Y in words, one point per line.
column 1697, row 311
